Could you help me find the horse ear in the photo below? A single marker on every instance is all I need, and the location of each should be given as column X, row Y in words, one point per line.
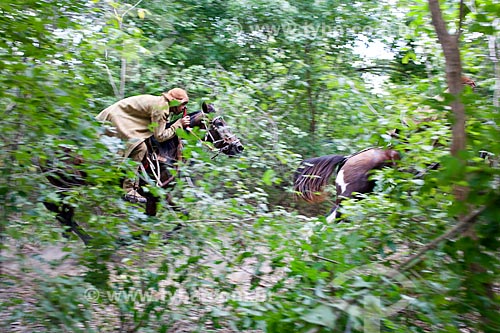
column 207, row 108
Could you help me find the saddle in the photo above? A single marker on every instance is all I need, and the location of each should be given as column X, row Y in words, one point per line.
column 160, row 159
column 163, row 152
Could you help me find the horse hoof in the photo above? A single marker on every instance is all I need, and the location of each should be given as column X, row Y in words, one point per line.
column 166, row 236
column 123, row 241
column 66, row 234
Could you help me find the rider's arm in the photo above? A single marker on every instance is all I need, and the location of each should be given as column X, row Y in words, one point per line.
column 160, row 117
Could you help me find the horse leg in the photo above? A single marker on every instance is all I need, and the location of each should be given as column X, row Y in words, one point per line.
column 170, row 233
column 151, row 210
column 333, row 214
column 65, row 214
column 151, row 206
column 176, row 207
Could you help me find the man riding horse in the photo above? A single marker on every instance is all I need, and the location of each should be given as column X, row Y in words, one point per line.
column 137, row 118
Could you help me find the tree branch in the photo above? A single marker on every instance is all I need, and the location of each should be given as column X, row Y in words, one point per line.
column 492, row 43
column 438, row 22
column 123, row 77
column 128, row 10
column 461, row 19
column 325, row 259
column 112, row 82
column 463, row 225
column 370, row 107
column 382, row 68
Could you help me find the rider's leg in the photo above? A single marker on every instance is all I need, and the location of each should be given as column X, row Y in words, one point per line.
column 130, row 186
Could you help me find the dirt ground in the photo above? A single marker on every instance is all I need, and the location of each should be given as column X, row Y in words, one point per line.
column 23, row 263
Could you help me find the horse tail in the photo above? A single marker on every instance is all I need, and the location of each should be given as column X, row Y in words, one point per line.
column 312, row 175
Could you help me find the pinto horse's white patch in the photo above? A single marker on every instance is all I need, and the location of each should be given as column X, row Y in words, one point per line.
column 340, row 182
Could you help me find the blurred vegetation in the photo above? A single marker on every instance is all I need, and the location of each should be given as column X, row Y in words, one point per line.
column 294, row 79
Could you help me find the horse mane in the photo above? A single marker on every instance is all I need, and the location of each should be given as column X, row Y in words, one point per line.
column 313, row 174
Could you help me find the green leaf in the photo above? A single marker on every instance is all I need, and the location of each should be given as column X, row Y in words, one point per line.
column 409, row 56
column 322, row 315
column 268, row 176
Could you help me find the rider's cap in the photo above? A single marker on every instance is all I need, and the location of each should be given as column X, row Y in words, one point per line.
column 177, row 94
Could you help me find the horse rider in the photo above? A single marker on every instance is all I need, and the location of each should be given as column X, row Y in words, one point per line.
column 136, row 118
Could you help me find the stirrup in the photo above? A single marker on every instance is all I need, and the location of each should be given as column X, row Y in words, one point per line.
column 134, row 197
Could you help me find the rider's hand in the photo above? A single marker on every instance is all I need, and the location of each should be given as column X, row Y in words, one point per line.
column 185, row 121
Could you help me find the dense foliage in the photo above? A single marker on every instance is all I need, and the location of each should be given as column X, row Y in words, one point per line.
column 294, row 79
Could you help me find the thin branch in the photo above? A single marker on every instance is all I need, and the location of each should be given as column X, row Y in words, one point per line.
column 10, row 107
column 118, row 18
column 123, row 75
column 136, row 327
column 120, row 93
column 382, row 68
column 123, row 71
column 364, row 100
column 461, row 18
column 492, row 43
column 128, row 10
column 432, row 166
column 222, row 221
column 240, row 266
column 463, row 225
column 112, row 82
column 325, row 259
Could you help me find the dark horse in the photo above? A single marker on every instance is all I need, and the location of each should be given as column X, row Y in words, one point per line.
column 157, row 166
column 352, row 175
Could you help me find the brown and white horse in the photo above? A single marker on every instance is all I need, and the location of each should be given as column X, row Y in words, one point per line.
column 352, row 175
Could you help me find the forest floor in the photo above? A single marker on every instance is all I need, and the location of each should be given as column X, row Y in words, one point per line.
column 24, row 264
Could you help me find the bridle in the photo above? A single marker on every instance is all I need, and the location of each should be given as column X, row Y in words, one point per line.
column 215, row 134
column 226, row 140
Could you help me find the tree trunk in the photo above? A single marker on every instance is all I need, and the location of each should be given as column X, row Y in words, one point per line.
column 449, row 43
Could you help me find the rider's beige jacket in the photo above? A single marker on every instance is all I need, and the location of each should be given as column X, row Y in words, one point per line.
column 137, row 118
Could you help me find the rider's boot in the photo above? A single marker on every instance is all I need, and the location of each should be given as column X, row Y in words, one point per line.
column 131, row 194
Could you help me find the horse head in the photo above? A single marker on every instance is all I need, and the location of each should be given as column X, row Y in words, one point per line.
column 220, row 134
column 222, row 137
column 217, row 132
